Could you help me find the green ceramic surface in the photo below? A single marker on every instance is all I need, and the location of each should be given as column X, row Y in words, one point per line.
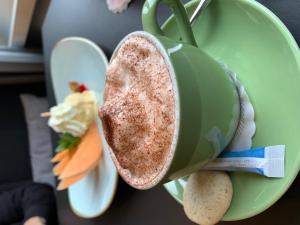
column 203, row 129
column 219, row 111
column 149, row 19
column 254, row 43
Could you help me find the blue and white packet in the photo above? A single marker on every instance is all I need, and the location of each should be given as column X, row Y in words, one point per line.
column 267, row 161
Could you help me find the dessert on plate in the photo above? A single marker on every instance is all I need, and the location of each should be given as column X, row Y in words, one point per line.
column 79, row 148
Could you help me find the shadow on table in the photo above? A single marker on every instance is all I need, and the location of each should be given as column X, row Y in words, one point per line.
column 285, row 211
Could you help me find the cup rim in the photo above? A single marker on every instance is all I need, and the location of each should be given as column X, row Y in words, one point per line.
column 170, row 155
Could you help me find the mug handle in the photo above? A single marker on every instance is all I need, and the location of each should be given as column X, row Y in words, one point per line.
column 149, row 19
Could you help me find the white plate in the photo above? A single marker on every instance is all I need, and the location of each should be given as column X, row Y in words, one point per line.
column 81, row 60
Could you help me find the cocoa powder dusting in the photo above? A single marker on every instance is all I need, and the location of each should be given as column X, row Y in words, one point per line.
column 138, row 114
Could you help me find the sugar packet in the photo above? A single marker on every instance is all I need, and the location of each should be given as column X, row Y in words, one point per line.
column 267, row 161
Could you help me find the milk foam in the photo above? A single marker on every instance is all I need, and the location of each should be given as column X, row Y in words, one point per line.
column 138, row 114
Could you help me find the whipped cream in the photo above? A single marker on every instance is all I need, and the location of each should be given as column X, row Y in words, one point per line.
column 75, row 114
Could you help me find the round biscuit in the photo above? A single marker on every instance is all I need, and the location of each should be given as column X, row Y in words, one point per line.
column 207, row 196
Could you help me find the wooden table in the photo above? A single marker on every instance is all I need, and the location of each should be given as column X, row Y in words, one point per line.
column 91, row 19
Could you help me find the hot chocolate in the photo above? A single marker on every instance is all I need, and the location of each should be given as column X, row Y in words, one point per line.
column 138, row 114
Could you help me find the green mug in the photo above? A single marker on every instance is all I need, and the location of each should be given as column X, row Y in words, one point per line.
column 208, row 106
column 206, row 99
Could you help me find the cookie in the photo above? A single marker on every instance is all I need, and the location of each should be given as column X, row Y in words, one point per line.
column 207, row 196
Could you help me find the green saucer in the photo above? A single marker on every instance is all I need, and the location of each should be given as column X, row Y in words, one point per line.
column 255, row 44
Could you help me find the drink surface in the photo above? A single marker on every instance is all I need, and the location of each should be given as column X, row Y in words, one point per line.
column 138, row 114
